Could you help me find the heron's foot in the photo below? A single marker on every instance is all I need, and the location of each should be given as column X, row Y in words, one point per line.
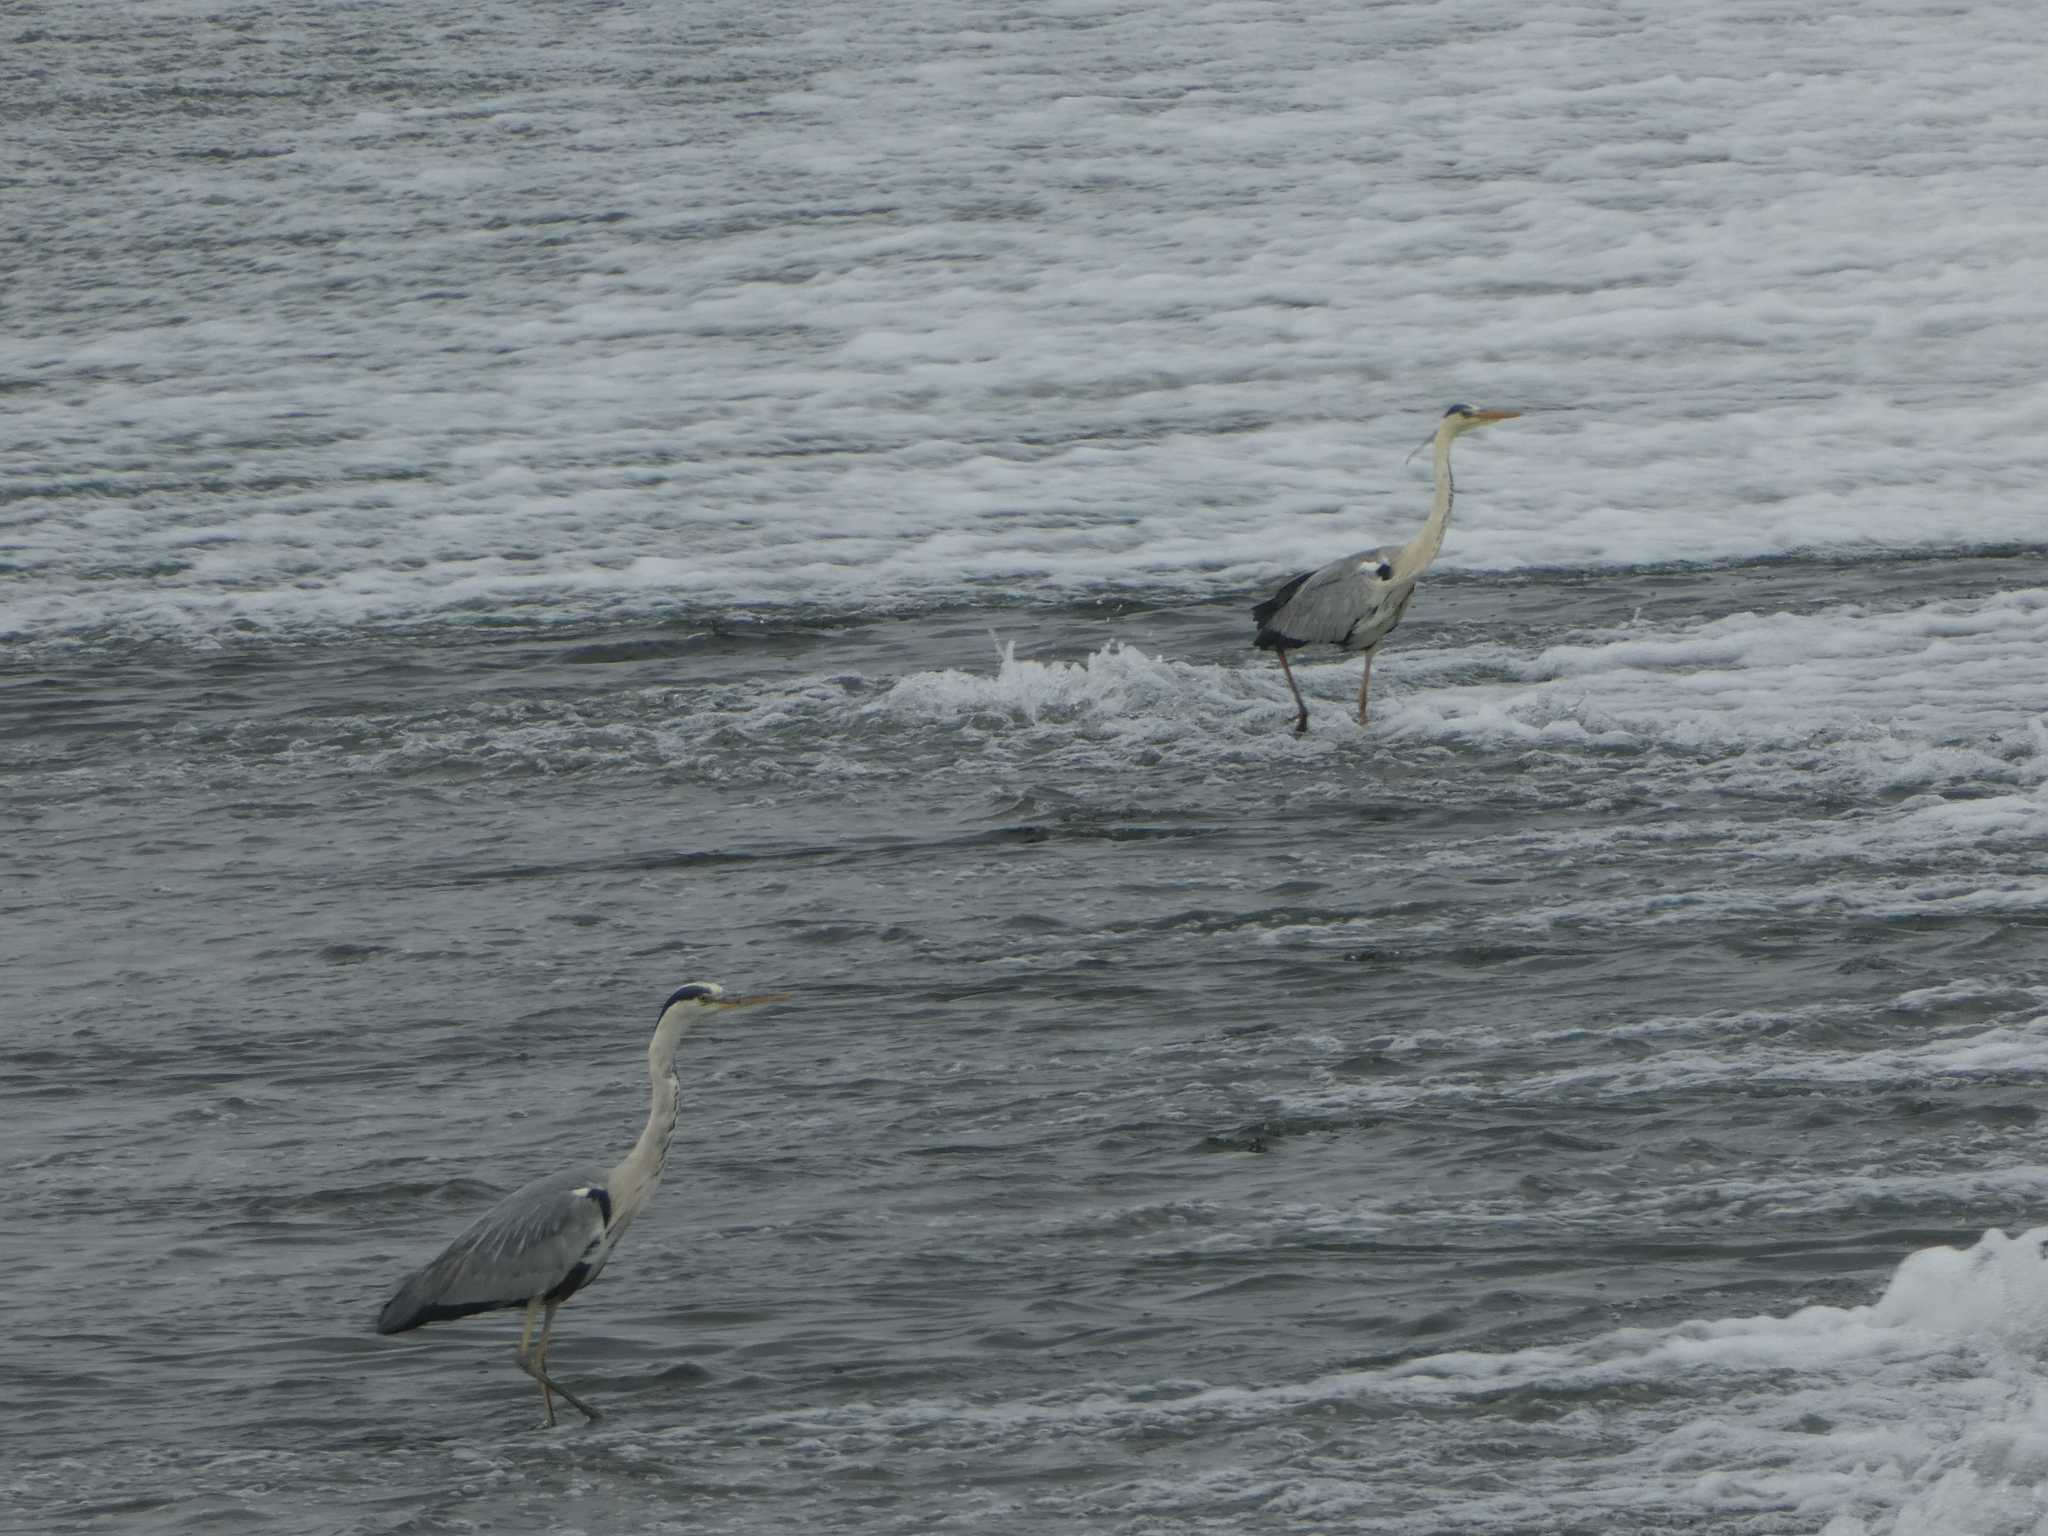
column 1301, row 723
column 588, row 1412
column 533, row 1369
column 574, row 1401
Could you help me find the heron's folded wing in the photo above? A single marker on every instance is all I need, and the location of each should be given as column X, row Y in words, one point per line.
column 523, row 1247
column 1262, row 614
column 1328, row 603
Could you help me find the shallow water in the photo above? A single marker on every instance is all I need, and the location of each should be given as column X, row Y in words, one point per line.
column 508, row 512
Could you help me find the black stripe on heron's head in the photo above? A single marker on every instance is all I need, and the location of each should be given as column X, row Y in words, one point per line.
column 696, row 991
column 1459, row 410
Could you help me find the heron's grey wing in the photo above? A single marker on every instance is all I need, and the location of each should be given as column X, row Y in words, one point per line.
column 1328, row 604
column 529, row 1244
column 1262, row 613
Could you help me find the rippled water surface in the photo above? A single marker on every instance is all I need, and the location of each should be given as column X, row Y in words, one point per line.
column 510, row 509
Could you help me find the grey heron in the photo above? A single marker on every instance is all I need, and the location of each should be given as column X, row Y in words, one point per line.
column 1354, row 603
column 547, row 1240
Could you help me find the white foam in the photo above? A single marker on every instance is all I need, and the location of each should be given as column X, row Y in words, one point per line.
column 1117, row 684
column 1940, row 698
column 1920, row 727
column 830, row 340
column 1925, row 1410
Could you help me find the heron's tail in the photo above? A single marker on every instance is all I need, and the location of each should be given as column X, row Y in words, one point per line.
column 409, row 1309
column 402, row 1312
column 1269, row 638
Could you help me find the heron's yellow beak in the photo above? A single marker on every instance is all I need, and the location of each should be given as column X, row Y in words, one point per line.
column 1495, row 415
column 753, row 1000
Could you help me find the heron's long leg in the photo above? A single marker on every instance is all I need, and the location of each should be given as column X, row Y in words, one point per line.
column 1364, row 687
column 547, row 1324
column 537, row 1367
column 538, row 1370
column 547, row 1327
column 1300, row 709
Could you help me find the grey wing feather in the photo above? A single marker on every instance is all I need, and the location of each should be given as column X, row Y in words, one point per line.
column 526, row 1245
column 1329, row 604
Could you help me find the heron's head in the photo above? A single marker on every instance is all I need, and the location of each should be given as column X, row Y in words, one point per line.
column 1460, row 419
column 709, row 995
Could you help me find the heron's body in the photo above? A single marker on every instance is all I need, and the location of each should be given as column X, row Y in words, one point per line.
column 1356, row 602
column 549, row 1239
column 1341, row 604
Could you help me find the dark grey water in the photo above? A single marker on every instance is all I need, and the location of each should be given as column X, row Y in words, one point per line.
column 506, row 508
column 1159, row 1090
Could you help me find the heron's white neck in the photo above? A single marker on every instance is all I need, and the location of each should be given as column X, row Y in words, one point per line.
column 634, row 1179
column 1418, row 552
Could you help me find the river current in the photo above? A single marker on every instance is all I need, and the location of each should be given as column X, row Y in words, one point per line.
column 510, row 509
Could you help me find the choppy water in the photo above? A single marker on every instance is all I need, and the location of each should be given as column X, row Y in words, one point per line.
column 508, row 509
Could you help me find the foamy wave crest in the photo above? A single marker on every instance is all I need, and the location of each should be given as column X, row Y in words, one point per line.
column 1119, row 690
column 1925, row 1411
column 1920, row 687
column 1118, row 680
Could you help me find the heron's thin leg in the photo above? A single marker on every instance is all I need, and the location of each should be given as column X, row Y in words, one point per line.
column 547, row 1326
column 540, row 1359
column 1300, row 709
column 537, row 1367
column 547, row 1329
column 1364, row 687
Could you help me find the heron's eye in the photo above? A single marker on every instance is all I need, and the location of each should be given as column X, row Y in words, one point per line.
column 1385, row 572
